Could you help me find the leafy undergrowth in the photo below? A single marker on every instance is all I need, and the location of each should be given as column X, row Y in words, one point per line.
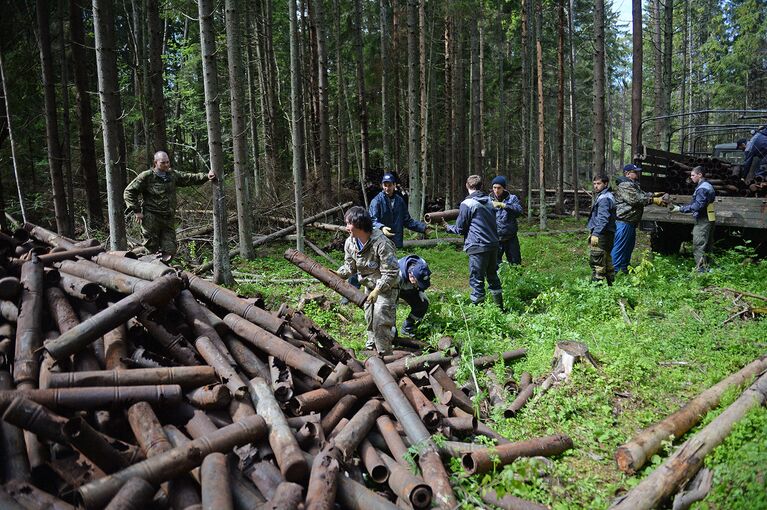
column 672, row 344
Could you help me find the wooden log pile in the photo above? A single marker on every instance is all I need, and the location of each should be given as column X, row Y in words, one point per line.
column 124, row 383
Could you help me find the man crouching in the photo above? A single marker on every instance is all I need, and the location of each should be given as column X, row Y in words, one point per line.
column 371, row 255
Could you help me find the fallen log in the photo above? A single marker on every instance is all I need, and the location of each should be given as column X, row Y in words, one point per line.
column 633, row 455
column 330, row 227
column 680, row 467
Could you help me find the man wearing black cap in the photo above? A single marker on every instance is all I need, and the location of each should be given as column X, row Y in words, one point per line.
column 629, row 203
column 415, row 278
column 390, row 214
column 507, row 210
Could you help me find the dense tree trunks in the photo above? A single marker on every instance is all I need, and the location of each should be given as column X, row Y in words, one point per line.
column 413, row 113
column 561, row 108
column 341, row 112
column 598, row 159
column 668, row 40
column 267, row 83
column 460, row 149
column 424, row 109
column 221, row 268
column 657, row 49
column 156, row 82
column 253, row 113
column 51, row 119
column 573, row 114
column 239, row 126
column 138, row 78
column 449, row 167
column 685, row 78
column 525, row 90
column 362, row 110
column 323, row 186
column 541, row 123
column 66, row 146
column 476, row 130
column 109, row 100
column 297, row 128
column 531, row 100
column 386, row 137
column 9, row 129
column 636, row 75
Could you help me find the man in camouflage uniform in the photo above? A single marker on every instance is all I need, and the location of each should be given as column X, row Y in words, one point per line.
column 151, row 196
column 372, row 255
column 602, row 231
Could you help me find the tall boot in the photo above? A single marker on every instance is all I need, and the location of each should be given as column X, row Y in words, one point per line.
column 498, row 300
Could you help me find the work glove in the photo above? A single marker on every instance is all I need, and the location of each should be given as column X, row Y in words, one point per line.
column 387, row 231
column 674, row 208
column 594, row 241
column 659, row 194
column 373, row 296
column 427, row 231
column 497, row 204
column 657, row 201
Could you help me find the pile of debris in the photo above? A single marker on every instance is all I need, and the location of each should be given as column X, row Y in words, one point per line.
column 723, row 176
column 125, row 383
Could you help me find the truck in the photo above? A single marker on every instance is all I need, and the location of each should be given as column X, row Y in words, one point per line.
column 740, row 206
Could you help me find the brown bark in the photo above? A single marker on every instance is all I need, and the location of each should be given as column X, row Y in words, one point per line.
column 598, row 159
column 476, row 130
column 362, row 111
column 541, row 124
column 561, row 108
column 413, row 152
column 525, row 88
column 323, row 185
column 573, row 117
column 297, row 131
column 636, row 75
column 159, row 137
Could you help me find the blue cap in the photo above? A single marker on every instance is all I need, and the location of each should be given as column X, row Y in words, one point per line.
column 388, row 177
column 631, row 168
column 499, row 180
column 421, row 272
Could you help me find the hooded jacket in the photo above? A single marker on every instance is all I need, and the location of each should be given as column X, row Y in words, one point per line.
column 476, row 223
column 704, row 194
column 506, row 217
column 630, row 200
column 602, row 219
column 393, row 213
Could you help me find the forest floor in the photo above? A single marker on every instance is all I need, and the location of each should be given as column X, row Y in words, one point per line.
column 674, row 342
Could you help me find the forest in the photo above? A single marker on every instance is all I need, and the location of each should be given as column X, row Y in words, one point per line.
column 297, row 109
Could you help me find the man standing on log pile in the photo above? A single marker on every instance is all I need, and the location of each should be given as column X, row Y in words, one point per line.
column 601, row 227
column 390, row 213
column 702, row 209
column 629, row 203
column 151, row 196
column 476, row 223
column 507, row 210
column 371, row 255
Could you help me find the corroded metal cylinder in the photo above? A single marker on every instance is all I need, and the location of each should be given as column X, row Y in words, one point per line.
column 47, row 236
column 95, row 398
column 132, row 267
column 358, row 427
column 134, row 495
column 390, row 435
column 109, row 278
column 448, row 215
column 338, row 412
column 326, row 276
column 186, row 377
column 483, row 461
column 406, row 485
column 422, row 405
column 80, row 288
column 323, row 482
column 197, row 319
column 87, row 252
column 29, row 334
column 211, row 396
column 93, row 445
column 214, row 479
column 216, row 359
column 36, row 418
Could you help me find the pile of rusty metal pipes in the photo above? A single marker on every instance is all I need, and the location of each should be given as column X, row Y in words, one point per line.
column 723, row 176
column 159, row 388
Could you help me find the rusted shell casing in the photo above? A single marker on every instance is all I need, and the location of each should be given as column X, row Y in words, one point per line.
column 510, row 502
column 374, row 464
column 86, row 252
column 246, row 359
column 285, row 446
column 132, row 267
column 9, row 288
column 29, row 334
column 277, row 347
column 358, row 427
column 35, row 418
column 212, row 396
column 225, row 371
column 390, row 435
column 519, row 402
column 281, row 379
column 80, row 288
column 93, row 445
column 116, row 348
column 156, row 293
column 228, row 300
column 422, row 405
column 47, row 236
column 326, row 276
column 175, row 344
column 406, row 485
column 134, row 495
column 29, row 496
column 265, row 476
column 484, row 362
column 197, row 319
column 434, row 472
column 174, row 462
column 461, row 426
column 323, row 482
column 452, row 395
column 340, row 373
column 61, row 309
column 482, row 461
column 448, row 215
column 355, row 496
column 525, row 379
column 14, row 463
column 214, row 479
column 108, row 278
column 338, row 412
column 186, row 377
column 95, row 398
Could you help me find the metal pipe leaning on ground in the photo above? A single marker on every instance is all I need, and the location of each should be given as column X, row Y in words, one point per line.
column 326, row 276
column 482, row 461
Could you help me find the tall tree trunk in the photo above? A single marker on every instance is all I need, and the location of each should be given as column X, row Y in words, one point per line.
column 657, row 46
column 239, row 127
column 459, row 97
column 362, row 110
column 414, row 172
column 159, row 138
column 531, row 100
column 341, row 121
column 561, row 109
column 541, row 124
column 65, row 138
column 683, row 86
column 525, row 89
column 385, row 76
column 267, row 82
column 481, row 113
column 51, row 119
column 221, row 268
column 610, row 119
column 598, row 165
column 137, row 45
column 297, row 124
column 622, row 159
column 109, row 99
column 253, row 113
column 573, row 115
column 85, row 116
column 449, row 115
column 324, row 108
column 668, row 42
column 636, row 75
column 476, row 131
column 424, row 117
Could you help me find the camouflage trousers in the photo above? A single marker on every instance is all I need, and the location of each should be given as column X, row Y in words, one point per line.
column 159, row 232
column 381, row 318
column 601, row 260
column 702, row 239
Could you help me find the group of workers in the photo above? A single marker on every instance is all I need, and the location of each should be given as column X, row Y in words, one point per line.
column 488, row 223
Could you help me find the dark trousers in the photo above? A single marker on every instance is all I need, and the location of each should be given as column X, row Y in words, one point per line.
column 511, row 248
column 419, row 305
column 625, row 240
column 702, row 240
column 484, row 266
column 601, row 260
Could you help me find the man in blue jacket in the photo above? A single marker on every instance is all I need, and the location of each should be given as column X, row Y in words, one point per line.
column 476, row 222
column 702, row 209
column 507, row 210
column 601, row 227
column 390, row 214
column 415, row 278
column 756, row 150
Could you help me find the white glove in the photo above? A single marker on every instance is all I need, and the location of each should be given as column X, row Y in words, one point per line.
column 387, row 231
column 675, row 208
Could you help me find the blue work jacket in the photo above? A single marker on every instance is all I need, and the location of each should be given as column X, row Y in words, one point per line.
column 393, row 213
column 602, row 219
column 476, row 222
column 506, row 217
column 704, row 194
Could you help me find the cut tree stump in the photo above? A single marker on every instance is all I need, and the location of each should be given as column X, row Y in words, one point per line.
column 566, row 355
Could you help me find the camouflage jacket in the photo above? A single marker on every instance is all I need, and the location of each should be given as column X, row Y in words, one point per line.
column 149, row 192
column 375, row 262
column 630, row 200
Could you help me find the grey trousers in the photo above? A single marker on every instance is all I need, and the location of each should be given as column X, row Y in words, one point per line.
column 381, row 318
column 702, row 239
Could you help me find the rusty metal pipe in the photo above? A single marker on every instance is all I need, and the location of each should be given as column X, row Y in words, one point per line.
column 265, row 476
column 463, row 426
column 374, row 465
column 175, row 344
column 47, row 236
column 156, row 293
column 86, row 252
column 80, row 288
column 94, row 398
column 519, row 402
column 246, row 359
column 323, row 482
column 406, row 485
column 197, row 320
column 116, row 348
column 337, row 413
column 484, row 362
column 9, row 311
column 457, row 397
column 281, row 379
column 277, row 347
column 132, row 267
column 134, row 495
column 358, row 427
column 211, row 396
column 30, row 497
column 186, row 377
column 214, row 475
column 484, row 460
column 326, row 276
column 93, row 445
column 340, row 373
column 422, row 405
column 286, row 449
column 29, row 334
column 9, row 288
column 391, row 437
column 438, row 216
column 108, row 278
column 61, row 309
column 36, row 418
column 216, row 359
column 14, row 461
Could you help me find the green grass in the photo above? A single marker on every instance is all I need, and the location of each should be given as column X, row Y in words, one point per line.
column 673, row 319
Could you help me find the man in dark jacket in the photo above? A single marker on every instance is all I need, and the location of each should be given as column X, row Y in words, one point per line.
column 629, row 203
column 756, row 150
column 507, row 210
column 390, row 214
column 702, row 209
column 601, row 227
column 476, row 222
column 415, row 278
